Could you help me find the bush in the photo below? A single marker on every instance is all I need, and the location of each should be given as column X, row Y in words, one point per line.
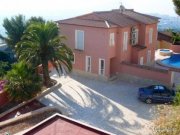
column 168, row 121
column 3, row 68
column 177, row 99
column 23, row 82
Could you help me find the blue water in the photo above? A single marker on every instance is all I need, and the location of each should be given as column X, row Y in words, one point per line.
column 164, row 50
column 173, row 61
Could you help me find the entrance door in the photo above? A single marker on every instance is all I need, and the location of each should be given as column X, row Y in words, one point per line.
column 88, row 63
column 101, row 67
column 149, row 57
column 141, row 62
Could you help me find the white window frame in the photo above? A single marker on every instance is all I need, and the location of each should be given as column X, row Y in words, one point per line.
column 76, row 42
column 136, row 36
column 100, row 66
column 88, row 67
column 141, row 61
column 150, row 35
column 125, row 41
column 73, row 62
column 111, row 39
column 149, row 53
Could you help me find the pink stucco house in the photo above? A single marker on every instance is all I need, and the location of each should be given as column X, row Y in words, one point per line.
column 102, row 40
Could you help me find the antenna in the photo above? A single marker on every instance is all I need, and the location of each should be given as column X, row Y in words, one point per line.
column 122, row 8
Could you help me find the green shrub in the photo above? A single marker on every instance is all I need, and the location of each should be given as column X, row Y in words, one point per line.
column 177, row 99
column 23, row 82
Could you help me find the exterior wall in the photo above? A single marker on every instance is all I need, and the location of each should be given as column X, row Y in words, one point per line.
column 3, row 98
column 96, row 45
column 146, row 73
column 175, row 48
column 164, row 45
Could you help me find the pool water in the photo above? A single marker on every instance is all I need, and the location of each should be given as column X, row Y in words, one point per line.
column 173, row 61
column 164, row 50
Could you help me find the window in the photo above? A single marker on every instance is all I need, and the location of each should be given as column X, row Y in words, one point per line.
column 101, row 66
column 111, row 39
column 73, row 59
column 79, row 39
column 149, row 57
column 134, row 37
column 125, row 41
column 88, row 63
column 150, row 35
column 141, row 62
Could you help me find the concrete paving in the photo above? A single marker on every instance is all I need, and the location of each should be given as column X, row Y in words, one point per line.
column 112, row 106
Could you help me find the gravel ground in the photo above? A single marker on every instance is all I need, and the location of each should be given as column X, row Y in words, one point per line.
column 112, row 106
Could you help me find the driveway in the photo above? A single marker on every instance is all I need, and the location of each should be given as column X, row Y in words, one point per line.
column 112, row 106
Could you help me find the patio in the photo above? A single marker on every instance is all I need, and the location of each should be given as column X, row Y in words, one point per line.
column 112, row 106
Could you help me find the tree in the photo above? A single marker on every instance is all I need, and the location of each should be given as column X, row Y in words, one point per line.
column 177, row 6
column 41, row 43
column 3, row 67
column 34, row 19
column 15, row 28
column 23, row 82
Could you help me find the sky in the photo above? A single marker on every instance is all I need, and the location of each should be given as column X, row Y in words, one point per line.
column 62, row 9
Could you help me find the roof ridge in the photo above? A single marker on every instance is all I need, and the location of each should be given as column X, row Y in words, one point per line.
column 153, row 17
column 127, row 16
column 107, row 19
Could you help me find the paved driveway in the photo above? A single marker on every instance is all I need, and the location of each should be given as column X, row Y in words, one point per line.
column 112, row 106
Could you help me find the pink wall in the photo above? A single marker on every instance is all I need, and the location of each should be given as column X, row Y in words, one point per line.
column 3, row 98
column 175, row 48
column 161, row 76
column 96, row 45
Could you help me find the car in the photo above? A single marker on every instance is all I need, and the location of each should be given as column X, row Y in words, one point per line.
column 156, row 94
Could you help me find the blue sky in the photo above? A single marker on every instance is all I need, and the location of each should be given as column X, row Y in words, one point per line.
column 61, row 9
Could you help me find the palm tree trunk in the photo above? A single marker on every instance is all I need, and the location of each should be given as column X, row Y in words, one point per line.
column 46, row 77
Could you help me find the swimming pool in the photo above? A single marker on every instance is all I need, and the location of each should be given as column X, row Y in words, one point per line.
column 173, row 61
column 165, row 52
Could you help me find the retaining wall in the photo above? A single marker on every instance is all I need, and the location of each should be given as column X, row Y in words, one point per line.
column 145, row 72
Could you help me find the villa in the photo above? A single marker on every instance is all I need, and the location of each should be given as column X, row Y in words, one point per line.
column 101, row 41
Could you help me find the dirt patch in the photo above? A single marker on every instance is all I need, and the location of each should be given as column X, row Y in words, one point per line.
column 25, row 124
column 33, row 105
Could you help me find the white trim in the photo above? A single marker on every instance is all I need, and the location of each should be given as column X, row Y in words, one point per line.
column 111, row 39
column 150, row 35
column 86, row 65
column 100, row 66
column 141, row 61
column 148, row 56
column 136, row 36
column 76, row 46
column 125, row 41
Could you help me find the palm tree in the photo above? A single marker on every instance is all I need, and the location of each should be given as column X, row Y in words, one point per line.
column 41, row 43
column 15, row 28
column 177, row 6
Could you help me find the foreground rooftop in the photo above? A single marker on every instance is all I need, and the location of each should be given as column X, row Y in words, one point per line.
column 59, row 124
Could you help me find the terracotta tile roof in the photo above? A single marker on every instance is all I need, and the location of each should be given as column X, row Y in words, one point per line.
column 88, row 22
column 143, row 18
column 62, row 125
column 112, row 18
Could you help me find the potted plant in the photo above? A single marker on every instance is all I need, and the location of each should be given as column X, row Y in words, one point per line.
column 175, row 38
